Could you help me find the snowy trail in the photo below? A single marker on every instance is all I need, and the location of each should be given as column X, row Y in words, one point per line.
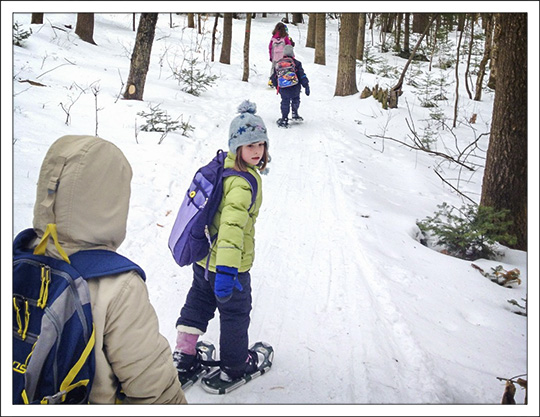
column 342, row 286
column 339, row 289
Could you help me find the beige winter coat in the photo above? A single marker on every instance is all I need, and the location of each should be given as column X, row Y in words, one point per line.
column 84, row 187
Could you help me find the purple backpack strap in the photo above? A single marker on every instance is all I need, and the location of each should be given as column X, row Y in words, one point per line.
column 229, row 172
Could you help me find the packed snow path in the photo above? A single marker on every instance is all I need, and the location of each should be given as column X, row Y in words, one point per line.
column 362, row 350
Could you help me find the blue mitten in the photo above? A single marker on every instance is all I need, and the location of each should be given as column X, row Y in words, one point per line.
column 226, row 280
column 307, row 90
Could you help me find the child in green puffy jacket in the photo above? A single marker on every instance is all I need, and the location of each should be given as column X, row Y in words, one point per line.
column 228, row 287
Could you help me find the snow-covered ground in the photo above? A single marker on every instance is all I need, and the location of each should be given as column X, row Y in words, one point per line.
column 357, row 310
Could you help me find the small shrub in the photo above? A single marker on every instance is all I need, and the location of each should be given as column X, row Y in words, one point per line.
column 371, row 61
column 193, row 80
column 388, row 71
column 158, row 120
column 471, row 233
column 19, row 34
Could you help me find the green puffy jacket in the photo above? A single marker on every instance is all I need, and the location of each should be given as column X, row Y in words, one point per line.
column 235, row 245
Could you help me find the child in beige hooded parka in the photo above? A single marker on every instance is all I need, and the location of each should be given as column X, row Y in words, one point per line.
column 84, row 188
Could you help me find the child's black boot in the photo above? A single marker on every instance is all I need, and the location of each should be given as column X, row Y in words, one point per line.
column 283, row 122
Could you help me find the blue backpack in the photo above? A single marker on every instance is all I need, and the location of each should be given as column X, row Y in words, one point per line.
column 190, row 239
column 53, row 330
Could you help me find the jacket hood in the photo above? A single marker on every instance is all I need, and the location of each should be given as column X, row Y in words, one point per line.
column 84, row 188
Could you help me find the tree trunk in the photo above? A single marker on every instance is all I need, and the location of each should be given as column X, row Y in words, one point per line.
column 140, row 58
column 360, row 41
column 85, row 27
column 214, row 30
column 504, row 185
column 434, row 43
column 457, row 80
column 312, row 23
column 397, row 44
column 225, row 57
column 297, row 18
column 346, row 75
column 199, row 24
column 420, row 22
column 493, row 67
column 471, row 42
column 191, row 20
column 461, row 22
column 320, row 39
column 37, row 18
column 406, row 34
column 245, row 76
column 487, row 20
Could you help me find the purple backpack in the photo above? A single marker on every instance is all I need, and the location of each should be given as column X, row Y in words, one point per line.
column 190, row 239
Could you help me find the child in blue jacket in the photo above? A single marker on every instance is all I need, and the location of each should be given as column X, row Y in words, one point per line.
column 290, row 96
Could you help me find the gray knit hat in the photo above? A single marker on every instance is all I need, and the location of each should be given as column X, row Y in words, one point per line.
column 288, row 50
column 247, row 127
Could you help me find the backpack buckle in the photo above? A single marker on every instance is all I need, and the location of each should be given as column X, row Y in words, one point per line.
column 55, row 398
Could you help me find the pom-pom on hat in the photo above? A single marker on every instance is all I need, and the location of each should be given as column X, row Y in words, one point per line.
column 246, row 128
column 288, row 50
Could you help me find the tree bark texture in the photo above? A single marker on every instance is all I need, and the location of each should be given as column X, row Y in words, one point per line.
column 471, row 43
column 397, row 44
column 214, row 30
column 360, row 41
column 245, row 75
column 37, row 18
column 492, row 81
column 504, row 185
column 456, row 101
column 85, row 27
column 191, row 20
column 312, row 23
column 140, row 58
column 297, row 18
column 420, row 21
column 320, row 39
column 406, row 33
column 346, row 73
column 226, row 45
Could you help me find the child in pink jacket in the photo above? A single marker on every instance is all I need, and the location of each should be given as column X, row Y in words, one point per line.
column 280, row 33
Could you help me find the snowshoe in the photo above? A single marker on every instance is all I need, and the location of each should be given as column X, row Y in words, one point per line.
column 283, row 122
column 192, row 367
column 297, row 118
column 219, row 382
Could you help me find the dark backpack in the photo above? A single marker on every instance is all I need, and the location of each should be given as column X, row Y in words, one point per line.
column 286, row 72
column 190, row 239
column 53, row 330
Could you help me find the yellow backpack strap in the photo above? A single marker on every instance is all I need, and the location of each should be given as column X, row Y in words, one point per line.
column 66, row 386
column 50, row 231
